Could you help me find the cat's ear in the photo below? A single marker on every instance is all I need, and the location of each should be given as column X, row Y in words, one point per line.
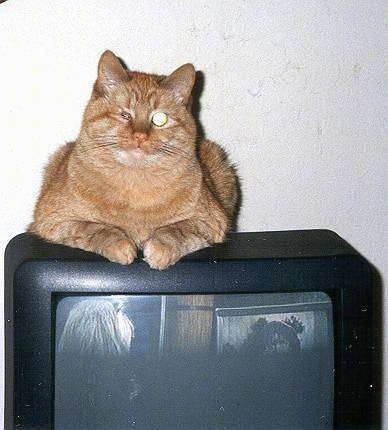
column 181, row 82
column 110, row 73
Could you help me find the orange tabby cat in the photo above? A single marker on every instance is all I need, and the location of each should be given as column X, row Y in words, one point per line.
column 137, row 176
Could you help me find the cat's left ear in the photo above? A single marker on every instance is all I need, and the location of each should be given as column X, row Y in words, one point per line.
column 181, row 82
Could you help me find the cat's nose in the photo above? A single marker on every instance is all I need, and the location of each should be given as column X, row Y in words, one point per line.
column 139, row 137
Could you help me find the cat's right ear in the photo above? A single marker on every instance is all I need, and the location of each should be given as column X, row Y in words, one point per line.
column 110, row 73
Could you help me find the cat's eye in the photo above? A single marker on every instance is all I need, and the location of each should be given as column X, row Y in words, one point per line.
column 126, row 115
column 159, row 119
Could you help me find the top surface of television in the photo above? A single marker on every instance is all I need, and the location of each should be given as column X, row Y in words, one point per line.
column 269, row 331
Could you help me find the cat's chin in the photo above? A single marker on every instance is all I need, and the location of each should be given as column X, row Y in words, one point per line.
column 131, row 157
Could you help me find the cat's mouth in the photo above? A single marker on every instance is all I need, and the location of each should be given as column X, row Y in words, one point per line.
column 130, row 157
column 137, row 153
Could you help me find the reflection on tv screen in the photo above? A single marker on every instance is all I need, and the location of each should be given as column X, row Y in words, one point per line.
column 194, row 362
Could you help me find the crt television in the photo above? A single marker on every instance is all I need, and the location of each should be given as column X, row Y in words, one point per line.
column 268, row 331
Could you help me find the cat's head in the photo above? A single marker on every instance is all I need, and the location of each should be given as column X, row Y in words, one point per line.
column 138, row 119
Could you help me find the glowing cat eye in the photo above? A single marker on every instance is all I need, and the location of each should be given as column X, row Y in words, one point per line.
column 159, row 119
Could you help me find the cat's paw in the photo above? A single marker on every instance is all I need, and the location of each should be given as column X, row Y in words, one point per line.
column 159, row 255
column 122, row 251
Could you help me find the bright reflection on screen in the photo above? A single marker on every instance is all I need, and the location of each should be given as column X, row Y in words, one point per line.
column 194, row 362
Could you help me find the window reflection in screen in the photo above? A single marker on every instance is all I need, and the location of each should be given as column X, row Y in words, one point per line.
column 194, row 362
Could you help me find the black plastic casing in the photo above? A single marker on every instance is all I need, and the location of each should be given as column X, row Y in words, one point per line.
column 37, row 272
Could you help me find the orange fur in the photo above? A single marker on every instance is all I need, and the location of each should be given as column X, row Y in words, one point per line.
column 126, row 184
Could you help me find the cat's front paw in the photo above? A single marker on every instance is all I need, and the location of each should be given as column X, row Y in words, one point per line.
column 159, row 255
column 122, row 251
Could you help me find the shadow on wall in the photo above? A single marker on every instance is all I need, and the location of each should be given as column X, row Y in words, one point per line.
column 198, row 88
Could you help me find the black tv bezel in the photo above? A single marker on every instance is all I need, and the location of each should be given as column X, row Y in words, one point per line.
column 292, row 261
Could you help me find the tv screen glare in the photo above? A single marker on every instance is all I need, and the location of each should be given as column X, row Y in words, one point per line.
column 271, row 331
column 150, row 362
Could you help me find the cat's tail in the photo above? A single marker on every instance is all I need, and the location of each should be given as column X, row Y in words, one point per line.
column 220, row 176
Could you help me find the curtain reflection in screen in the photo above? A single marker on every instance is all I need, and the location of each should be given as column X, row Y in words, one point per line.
column 96, row 326
column 96, row 385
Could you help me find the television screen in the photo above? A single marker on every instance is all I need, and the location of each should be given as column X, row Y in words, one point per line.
column 192, row 362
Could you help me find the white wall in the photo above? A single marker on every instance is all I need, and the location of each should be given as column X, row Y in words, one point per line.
column 294, row 91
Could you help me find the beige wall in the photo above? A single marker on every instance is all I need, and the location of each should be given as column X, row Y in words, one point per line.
column 293, row 89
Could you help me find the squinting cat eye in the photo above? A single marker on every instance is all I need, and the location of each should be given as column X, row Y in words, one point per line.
column 126, row 115
column 159, row 119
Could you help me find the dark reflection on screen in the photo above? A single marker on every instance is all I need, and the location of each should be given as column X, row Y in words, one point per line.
column 194, row 362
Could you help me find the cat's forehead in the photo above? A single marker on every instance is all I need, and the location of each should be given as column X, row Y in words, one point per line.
column 142, row 86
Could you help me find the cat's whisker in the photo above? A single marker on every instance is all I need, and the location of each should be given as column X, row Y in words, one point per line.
column 173, row 151
column 104, row 139
column 104, row 145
